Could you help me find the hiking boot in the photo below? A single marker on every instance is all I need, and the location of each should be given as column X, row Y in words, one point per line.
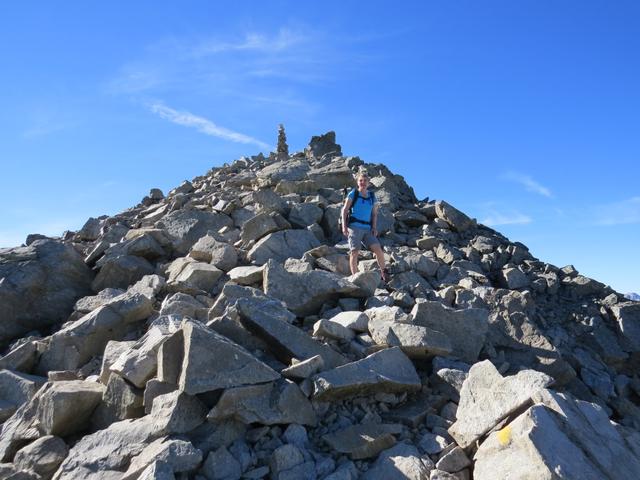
column 385, row 275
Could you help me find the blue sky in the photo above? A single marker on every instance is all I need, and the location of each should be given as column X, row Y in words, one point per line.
column 522, row 114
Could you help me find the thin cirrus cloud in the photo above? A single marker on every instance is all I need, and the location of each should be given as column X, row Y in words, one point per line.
column 511, row 218
column 624, row 212
column 528, row 183
column 203, row 125
column 285, row 39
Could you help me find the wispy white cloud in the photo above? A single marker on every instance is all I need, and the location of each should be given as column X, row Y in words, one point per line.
column 495, row 218
column 203, row 125
column 528, row 183
column 618, row 213
column 283, row 40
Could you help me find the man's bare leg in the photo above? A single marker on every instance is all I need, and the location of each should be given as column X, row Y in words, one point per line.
column 353, row 261
column 377, row 251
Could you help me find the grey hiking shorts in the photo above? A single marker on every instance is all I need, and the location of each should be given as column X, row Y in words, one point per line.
column 358, row 236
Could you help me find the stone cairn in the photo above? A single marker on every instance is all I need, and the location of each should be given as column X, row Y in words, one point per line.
column 215, row 333
column 282, row 150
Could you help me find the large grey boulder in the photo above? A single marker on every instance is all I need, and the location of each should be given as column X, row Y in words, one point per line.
column 121, row 271
column 288, row 170
column 43, row 456
column 387, row 371
column 557, row 434
column 139, row 363
column 272, row 403
column 304, row 292
column 487, row 398
column 400, row 461
column 320, row 145
column 186, row 227
column 106, row 453
column 281, row 245
column 180, row 455
column 454, row 217
column 75, row 344
column 466, row 328
column 304, row 214
column 120, row 401
column 65, row 407
column 627, row 316
column 219, row 254
column 40, row 284
column 212, row 361
column 269, row 321
column 257, row 227
column 416, row 341
column 18, row 388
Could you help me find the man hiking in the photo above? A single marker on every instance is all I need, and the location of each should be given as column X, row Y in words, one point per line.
column 359, row 219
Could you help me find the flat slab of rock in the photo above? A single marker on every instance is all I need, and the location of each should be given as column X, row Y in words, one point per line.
column 557, row 434
column 282, row 245
column 305, row 368
column 266, row 319
column 272, row 403
column 212, row 361
column 466, row 329
column 487, row 398
column 304, row 292
column 180, row 455
column 387, row 371
column 416, row 341
column 363, row 441
column 246, row 275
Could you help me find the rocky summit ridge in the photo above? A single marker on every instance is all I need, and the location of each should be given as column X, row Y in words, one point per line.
column 216, row 333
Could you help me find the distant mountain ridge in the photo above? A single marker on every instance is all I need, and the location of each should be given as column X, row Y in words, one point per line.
column 633, row 296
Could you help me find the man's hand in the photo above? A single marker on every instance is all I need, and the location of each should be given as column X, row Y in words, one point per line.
column 345, row 231
column 374, row 231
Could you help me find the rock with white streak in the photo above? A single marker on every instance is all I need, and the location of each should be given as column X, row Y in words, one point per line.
column 487, row 398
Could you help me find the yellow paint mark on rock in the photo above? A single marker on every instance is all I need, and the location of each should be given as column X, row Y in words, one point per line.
column 504, row 435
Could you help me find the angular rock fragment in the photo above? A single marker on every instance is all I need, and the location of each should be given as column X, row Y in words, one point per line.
column 281, row 245
column 400, row 461
column 486, row 398
column 557, row 434
column 212, row 362
column 180, row 455
column 466, row 329
column 386, row 371
column 305, row 368
column 454, row 217
column 266, row 320
column 65, row 407
column 272, row 403
column 362, row 441
column 40, row 285
column 303, row 293
column 43, row 456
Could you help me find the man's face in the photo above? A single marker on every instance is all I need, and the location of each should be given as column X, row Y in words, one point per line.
column 363, row 182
